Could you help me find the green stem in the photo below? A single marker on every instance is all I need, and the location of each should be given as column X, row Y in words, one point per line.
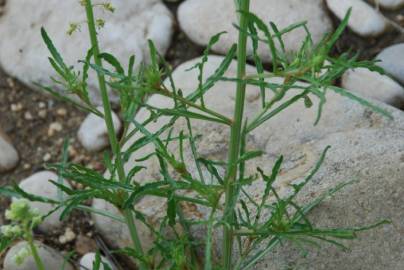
column 236, row 128
column 110, row 126
column 34, row 251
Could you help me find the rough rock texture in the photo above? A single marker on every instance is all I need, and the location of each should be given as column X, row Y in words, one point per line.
column 365, row 21
column 366, row 147
column 39, row 184
column 392, row 61
column 390, row 4
column 86, row 262
column 24, row 55
column 51, row 258
column 201, row 19
column 8, row 155
column 374, row 85
column 93, row 132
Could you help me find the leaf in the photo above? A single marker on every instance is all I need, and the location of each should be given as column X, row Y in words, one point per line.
column 110, row 59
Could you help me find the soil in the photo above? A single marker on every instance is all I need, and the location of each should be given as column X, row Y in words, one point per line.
column 27, row 117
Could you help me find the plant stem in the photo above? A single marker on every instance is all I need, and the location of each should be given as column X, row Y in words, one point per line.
column 110, row 126
column 34, row 251
column 235, row 136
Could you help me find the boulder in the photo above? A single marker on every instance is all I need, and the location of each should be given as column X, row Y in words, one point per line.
column 24, row 55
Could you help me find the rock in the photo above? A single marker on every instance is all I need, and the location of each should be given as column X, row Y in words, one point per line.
column 374, row 85
column 365, row 146
column 365, row 21
column 38, row 184
column 93, row 132
column 201, row 19
column 390, row 4
column 8, row 155
column 116, row 233
column 86, row 262
column 51, row 258
column 24, row 55
column 391, row 60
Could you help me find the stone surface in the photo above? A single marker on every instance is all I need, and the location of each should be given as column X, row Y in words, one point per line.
column 51, row 258
column 93, row 132
column 201, row 19
column 86, row 262
column 365, row 147
column 116, row 233
column 392, row 61
column 39, row 184
column 8, row 154
column 374, row 85
column 365, row 21
column 24, row 55
column 390, row 4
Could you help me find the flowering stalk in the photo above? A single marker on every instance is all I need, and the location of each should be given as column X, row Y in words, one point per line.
column 110, row 126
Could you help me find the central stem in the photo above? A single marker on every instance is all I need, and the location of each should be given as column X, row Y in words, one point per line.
column 234, row 148
column 110, row 126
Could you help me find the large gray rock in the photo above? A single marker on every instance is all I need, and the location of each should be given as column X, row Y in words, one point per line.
column 374, row 85
column 24, row 55
column 392, row 61
column 51, row 258
column 366, row 147
column 365, row 21
column 38, row 184
column 201, row 19
column 8, row 154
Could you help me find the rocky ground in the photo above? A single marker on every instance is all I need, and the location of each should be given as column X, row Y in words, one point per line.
column 35, row 125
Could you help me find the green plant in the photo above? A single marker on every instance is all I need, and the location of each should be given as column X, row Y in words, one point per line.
column 254, row 233
column 23, row 221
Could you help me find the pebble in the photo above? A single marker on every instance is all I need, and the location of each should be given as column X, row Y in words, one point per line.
column 86, row 262
column 16, row 107
column 200, row 20
column 47, row 157
column 28, row 116
column 8, row 154
column 61, row 112
column 42, row 113
column 392, row 61
column 93, row 133
column 67, row 237
column 374, row 85
column 38, row 184
column 364, row 21
column 51, row 258
column 54, row 128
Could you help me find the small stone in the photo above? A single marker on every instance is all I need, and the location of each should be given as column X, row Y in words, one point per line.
column 53, row 128
column 16, row 107
column 67, row 237
column 8, row 155
column 38, row 184
column 41, row 105
column 42, row 113
column 27, row 166
column 392, row 61
column 28, row 116
column 374, row 85
column 86, row 262
column 47, row 157
column 61, row 112
column 364, row 20
column 51, row 258
column 93, row 133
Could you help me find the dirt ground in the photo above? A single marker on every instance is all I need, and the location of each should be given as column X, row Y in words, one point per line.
column 32, row 121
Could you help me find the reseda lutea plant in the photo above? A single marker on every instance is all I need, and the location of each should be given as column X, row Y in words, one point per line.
column 251, row 227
